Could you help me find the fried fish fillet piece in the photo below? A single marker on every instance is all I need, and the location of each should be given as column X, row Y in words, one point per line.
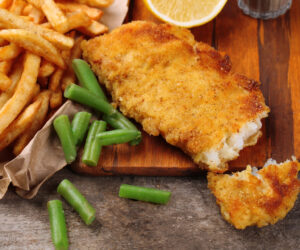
column 256, row 197
column 179, row 88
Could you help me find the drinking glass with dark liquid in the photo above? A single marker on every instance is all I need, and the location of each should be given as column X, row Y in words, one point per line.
column 264, row 9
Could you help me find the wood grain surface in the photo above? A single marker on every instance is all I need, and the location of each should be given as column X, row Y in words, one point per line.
column 267, row 51
column 190, row 221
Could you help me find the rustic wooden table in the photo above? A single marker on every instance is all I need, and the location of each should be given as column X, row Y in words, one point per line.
column 264, row 50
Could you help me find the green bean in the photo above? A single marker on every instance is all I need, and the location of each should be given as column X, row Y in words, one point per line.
column 79, row 125
column 119, row 121
column 144, row 194
column 87, row 77
column 88, row 98
column 92, row 147
column 72, row 195
column 62, row 127
column 117, row 136
column 114, row 122
column 58, row 225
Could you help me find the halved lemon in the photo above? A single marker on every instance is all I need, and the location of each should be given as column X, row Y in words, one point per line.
column 185, row 13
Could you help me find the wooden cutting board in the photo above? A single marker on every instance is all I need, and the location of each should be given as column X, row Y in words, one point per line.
column 268, row 51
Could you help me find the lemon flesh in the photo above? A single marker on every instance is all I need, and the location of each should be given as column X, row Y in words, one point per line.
column 187, row 13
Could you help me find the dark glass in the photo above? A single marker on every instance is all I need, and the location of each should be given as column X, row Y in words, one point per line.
column 264, row 9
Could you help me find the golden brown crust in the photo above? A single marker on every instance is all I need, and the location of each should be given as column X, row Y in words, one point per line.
column 247, row 200
column 211, row 58
column 174, row 86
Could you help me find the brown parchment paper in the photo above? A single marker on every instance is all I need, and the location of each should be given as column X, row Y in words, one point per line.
column 43, row 156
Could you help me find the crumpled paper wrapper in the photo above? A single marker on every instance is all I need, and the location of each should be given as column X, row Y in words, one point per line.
column 43, row 156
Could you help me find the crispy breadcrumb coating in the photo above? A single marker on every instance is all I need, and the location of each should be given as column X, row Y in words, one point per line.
column 256, row 197
column 179, row 88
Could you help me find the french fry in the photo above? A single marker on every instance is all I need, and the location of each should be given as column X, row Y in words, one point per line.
column 66, row 54
column 23, row 93
column 18, row 126
column 55, row 79
column 4, row 82
column 46, row 25
column 27, row 18
column 69, row 76
column 95, row 3
column 33, row 43
column 92, row 13
column 17, row 6
column 54, row 15
column 4, row 97
column 76, row 50
column 5, row 3
column 38, row 122
column 56, row 99
column 5, row 66
column 36, row 14
column 46, row 69
column 76, row 20
column 39, row 27
column 27, row 9
column 9, row 52
column 36, row 90
column 10, row 20
column 15, row 77
column 36, row 3
column 94, row 29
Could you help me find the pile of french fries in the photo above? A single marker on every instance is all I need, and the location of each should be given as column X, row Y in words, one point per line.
column 38, row 41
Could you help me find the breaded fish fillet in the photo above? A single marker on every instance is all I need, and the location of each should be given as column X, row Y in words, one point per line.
column 180, row 89
column 256, row 197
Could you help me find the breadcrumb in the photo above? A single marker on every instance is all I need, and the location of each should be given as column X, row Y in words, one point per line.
column 256, row 197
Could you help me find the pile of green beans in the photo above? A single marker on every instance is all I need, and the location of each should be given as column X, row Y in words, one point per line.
column 89, row 82
column 91, row 95
column 72, row 135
